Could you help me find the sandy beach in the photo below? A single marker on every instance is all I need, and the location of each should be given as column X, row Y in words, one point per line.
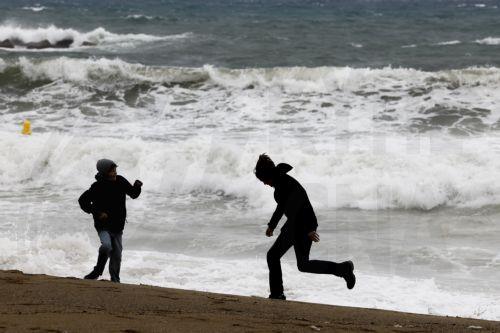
column 53, row 304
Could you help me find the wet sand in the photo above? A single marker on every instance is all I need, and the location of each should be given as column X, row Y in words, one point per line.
column 41, row 303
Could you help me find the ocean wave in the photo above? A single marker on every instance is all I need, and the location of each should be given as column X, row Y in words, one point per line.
column 97, row 37
column 458, row 173
column 321, row 100
column 451, row 42
column 489, row 41
column 142, row 17
column 36, row 8
column 101, row 71
column 356, row 45
column 293, row 79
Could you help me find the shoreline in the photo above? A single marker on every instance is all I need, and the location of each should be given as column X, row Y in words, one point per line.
column 33, row 302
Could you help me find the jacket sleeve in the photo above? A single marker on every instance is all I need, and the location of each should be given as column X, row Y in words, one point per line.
column 86, row 200
column 130, row 190
column 291, row 208
column 277, row 215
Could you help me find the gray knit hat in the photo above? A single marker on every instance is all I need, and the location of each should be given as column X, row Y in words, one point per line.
column 104, row 165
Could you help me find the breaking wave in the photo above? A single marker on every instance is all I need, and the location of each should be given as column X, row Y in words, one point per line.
column 97, row 37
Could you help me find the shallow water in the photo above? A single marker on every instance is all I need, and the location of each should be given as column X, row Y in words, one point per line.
column 391, row 128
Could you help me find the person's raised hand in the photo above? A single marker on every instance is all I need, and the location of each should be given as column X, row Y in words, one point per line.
column 269, row 232
column 138, row 183
column 314, row 236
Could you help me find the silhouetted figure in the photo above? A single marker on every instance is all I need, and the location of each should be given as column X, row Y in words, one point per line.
column 105, row 200
column 298, row 231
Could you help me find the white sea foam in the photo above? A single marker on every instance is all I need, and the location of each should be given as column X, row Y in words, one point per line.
column 99, row 36
column 356, row 45
column 292, row 79
column 36, row 8
column 142, row 17
column 85, row 70
column 74, row 255
column 451, row 42
column 489, row 41
column 464, row 174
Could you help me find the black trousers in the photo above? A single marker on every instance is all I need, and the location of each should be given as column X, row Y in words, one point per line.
column 302, row 246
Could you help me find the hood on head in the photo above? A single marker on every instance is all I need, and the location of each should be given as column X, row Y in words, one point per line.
column 103, row 166
column 283, row 168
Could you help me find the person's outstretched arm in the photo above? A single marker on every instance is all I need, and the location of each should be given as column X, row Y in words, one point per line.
column 132, row 191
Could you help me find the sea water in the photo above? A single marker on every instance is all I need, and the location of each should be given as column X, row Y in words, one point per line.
column 387, row 110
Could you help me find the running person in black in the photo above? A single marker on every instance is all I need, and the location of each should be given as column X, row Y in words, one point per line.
column 298, row 231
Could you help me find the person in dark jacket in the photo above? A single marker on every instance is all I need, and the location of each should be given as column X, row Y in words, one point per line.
column 298, row 231
column 105, row 200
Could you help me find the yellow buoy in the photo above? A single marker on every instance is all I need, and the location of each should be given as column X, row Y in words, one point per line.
column 27, row 127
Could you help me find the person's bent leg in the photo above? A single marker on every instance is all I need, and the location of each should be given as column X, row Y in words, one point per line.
column 115, row 259
column 279, row 248
column 104, row 252
column 302, row 247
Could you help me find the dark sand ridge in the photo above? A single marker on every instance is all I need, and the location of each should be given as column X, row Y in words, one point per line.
column 52, row 304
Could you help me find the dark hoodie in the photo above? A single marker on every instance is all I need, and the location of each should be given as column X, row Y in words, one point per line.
column 293, row 202
column 108, row 196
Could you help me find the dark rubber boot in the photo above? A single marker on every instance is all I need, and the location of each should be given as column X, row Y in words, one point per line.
column 92, row 275
column 349, row 276
column 280, row 297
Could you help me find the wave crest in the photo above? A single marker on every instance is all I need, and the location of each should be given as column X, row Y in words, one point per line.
column 293, row 79
column 98, row 36
column 467, row 176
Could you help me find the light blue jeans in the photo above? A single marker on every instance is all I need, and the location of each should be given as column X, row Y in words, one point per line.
column 111, row 247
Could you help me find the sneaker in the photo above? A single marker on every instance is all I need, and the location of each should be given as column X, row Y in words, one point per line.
column 349, row 277
column 280, row 296
column 92, row 276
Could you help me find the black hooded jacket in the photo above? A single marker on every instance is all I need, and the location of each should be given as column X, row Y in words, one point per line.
column 293, row 202
column 107, row 196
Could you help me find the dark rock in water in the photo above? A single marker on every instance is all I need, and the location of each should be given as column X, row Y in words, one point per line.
column 44, row 44
column 85, row 43
column 63, row 43
column 7, row 44
column 16, row 41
